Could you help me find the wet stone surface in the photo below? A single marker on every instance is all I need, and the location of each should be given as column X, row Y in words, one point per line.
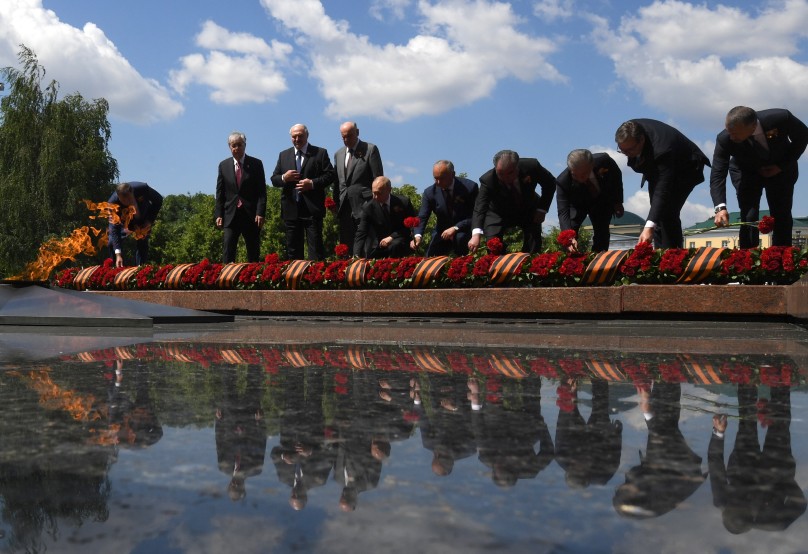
column 193, row 440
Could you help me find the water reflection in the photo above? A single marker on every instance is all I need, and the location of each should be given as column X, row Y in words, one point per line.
column 347, row 426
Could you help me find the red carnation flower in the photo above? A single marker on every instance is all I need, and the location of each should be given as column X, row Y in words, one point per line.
column 330, row 205
column 341, row 250
column 565, row 238
column 766, row 224
column 495, row 246
column 411, row 222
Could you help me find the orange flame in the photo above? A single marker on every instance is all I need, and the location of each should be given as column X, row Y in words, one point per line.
column 53, row 397
column 55, row 251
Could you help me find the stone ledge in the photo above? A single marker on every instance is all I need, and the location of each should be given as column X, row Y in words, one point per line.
column 670, row 301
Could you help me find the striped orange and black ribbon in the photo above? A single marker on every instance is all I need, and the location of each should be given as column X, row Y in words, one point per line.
column 603, row 268
column 507, row 366
column 229, row 274
column 504, row 267
column 83, row 277
column 177, row 353
column 605, row 370
column 356, row 357
column 124, row 276
column 701, row 370
column 704, row 262
column 174, row 278
column 294, row 273
column 428, row 361
column 232, row 357
column 426, row 270
column 295, row 358
column 356, row 272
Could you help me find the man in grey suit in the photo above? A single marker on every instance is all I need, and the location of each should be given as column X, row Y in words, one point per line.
column 357, row 164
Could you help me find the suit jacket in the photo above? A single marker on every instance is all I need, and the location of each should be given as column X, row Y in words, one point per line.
column 669, row 162
column 365, row 166
column 786, row 137
column 464, row 195
column 253, row 191
column 316, row 165
column 149, row 202
column 575, row 202
column 374, row 225
column 497, row 203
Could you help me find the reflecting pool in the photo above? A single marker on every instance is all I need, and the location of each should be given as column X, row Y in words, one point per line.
column 391, row 435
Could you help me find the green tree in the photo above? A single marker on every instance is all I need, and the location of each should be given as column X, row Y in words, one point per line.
column 53, row 154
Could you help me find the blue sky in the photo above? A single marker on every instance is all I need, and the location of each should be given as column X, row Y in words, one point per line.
column 424, row 79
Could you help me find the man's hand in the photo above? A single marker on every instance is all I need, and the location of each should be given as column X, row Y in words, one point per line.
column 474, row 242
column 647, row 235
column 291, row 176
column 720, row 423
column 219, row 222
column 573, row 247
column 415, row 243
column 259, row 221
column 617, row 210
column 449, row 233
column 118, row 260
column 721, row 219
column 304, row 184
column 769, row 170
column 385, row 242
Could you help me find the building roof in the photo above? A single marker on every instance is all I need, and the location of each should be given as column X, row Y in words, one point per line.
column 629, row 218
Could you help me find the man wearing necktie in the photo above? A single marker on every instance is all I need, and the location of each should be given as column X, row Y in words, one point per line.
column 451, row 199
column 592, row 185
column 381, row 232
column 356, row 165
column 760, row 151
column 303, row 172
column 508, row 199
column 241, row 199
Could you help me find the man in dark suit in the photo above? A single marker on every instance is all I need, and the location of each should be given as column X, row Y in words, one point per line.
column 381, row 232
column 672, row 164
column 357, row 164
column 146, row 203
column 451, row 199
column 508, row 198
column 592, row 185
column 241, row 199
column 303, row 172
column 760, row 150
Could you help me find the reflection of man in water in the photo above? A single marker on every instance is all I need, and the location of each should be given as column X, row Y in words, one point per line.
column 240, row 434
column 670, row 471
column 757, row 488
column 131, row 409
column 446, row 424
column 589, row 451
column 508, row 429
column 302, row 459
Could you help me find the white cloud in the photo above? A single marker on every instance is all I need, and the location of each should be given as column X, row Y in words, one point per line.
column 396, row 8
column 82, row 60
column 464, row 49
column 697, row 62
column 551, row 10
column 238, row 68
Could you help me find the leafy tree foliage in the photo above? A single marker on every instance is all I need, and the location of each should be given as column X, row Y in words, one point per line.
column 53, row 154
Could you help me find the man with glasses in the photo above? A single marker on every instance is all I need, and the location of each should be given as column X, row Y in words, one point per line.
column 672, row 165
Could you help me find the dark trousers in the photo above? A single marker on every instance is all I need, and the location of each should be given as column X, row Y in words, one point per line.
column 532, row 233
column 779, row 195
column 347, row 229
column 668, row 231
column 459, row 245
column 141, row 251
column 399, row 248
column 243, row 224
column 310, row 228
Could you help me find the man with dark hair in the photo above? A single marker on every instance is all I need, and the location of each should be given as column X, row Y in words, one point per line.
column 760, row 151
column 139, row 205
column 592, row 185
column 672, row 165
column 508, row 199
